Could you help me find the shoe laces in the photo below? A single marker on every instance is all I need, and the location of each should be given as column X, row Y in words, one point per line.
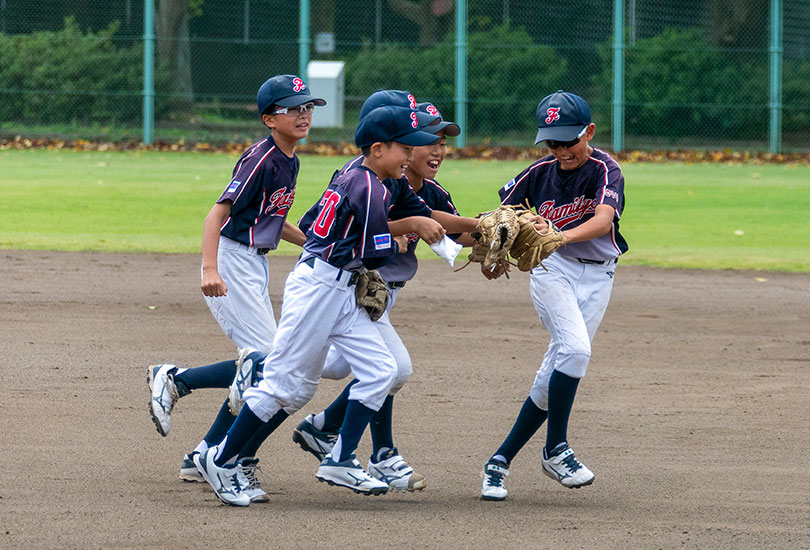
column 251, row 471
column 170, row 385
column 494, row 479
column 571, row 462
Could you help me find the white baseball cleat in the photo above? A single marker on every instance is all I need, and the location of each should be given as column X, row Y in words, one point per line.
column 243, row 379
column 392, row 469
column 228, row 482
column 561, row 465
column 494, row 485
column 188, row 470
column 313, row 440
column 164, row 395
column 250, row 467
column 351, row 475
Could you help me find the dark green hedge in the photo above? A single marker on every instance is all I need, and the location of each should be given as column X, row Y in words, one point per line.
column 505, row 69
column 70, row 76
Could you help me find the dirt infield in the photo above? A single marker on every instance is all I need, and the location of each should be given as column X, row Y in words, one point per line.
column 694, row 415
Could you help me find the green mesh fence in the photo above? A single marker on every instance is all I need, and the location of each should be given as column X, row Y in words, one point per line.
column 696, row 72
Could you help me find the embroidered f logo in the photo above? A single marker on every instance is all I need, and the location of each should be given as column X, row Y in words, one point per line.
column 553, row 114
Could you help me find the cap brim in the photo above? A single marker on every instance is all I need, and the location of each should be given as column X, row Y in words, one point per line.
column 426, row 119
column 450, row 128
column 417, row 138
column 559, row 133
column 299, row 99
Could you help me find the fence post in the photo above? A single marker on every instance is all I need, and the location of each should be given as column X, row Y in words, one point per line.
column 461, row 71
column 303, row 41
column 148, row 72
column 618, row 75
column 776, row 53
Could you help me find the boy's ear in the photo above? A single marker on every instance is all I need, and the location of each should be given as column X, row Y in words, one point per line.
column 376, row 149
column 269, row 121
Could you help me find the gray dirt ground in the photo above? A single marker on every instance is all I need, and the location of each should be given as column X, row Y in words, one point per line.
column 694, row 415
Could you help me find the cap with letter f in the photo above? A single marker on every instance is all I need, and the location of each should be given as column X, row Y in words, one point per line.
column 449, row 128
column 285, row 90
column 400, row 124
column 561, row 116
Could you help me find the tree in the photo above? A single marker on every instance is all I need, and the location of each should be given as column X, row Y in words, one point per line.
column 425, row 13
column 174, row 47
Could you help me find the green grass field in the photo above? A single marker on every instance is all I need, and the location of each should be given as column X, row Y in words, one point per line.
column 678, row 215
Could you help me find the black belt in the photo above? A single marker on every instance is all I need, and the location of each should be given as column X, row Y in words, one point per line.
column 396, row 284
column 595, row 262
column 311, row 263
column 262, row 251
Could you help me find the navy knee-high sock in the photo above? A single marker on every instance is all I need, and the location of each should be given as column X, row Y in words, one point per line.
column 217, row 375
column 354, row 424
column 245, row 425
column 561, row 392
column 380, row 426
column 529, row 420
column 336, row 411
column 252, row 446
column 221, row 425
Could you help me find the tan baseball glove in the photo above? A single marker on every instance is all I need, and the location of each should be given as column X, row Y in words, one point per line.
column 531, row 246
column 494, row 235
column 372, row 294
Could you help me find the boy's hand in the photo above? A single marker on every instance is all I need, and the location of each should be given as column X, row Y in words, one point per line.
column 212, row 284
column 429, row 230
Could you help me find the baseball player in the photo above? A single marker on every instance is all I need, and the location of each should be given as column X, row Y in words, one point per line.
column 350, row 232
column 247, row 221
column 580, row 189
column 317, row 432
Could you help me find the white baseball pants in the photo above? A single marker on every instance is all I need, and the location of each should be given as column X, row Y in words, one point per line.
column 570, row 299
column 245, row 313
column 319, row 309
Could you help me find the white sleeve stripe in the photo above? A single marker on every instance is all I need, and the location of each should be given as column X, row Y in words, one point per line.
column 365, row 223
column 261, row 160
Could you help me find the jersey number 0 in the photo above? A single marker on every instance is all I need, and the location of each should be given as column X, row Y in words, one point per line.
column 323, row 225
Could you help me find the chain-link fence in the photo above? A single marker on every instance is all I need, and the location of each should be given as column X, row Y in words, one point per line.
column 697, row 73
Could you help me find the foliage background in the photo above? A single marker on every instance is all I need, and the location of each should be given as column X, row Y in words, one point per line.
column 697, row 71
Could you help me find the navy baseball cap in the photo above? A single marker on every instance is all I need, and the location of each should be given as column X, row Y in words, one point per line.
column 389, row 123
column 393, row 98
column 561, row 116
column 450, row 128
column 285, row 90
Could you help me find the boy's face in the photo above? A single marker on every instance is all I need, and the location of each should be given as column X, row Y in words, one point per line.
column 392, row 159
column 427, row 160
column 294, row 124
column 572, row 155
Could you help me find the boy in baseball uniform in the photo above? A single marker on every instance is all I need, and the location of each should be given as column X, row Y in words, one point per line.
column 317, row 433
column 581, row 190
column 247, row 221
column 350, row 233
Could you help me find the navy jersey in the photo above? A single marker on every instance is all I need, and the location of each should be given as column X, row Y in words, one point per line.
column 570, row 197
column 350, row 225
column 403, row 267
column 404, row 202
column 261, row 190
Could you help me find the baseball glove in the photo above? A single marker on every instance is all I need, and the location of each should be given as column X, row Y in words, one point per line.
column 494, row 235
column 532, row 247
column 372, row 294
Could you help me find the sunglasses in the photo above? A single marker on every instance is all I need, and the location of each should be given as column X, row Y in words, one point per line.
column 298, row 110
column 551, row 144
